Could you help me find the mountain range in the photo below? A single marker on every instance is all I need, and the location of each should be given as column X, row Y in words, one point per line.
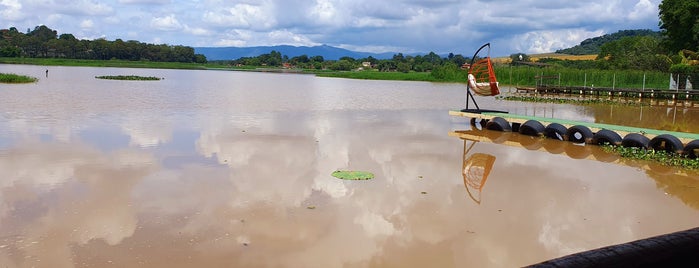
column 586, row 47
column 328, row 52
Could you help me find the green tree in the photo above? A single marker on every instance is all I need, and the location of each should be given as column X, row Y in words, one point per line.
column 403, row 67
column 638, row 53
column 679, row 22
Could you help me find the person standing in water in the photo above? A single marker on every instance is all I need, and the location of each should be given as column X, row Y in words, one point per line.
column 47, row 73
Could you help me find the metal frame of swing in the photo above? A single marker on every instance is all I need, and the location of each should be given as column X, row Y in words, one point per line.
column 469, row 95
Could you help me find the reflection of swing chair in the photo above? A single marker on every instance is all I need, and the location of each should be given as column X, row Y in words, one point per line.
column 481, row 80
column 475, row 170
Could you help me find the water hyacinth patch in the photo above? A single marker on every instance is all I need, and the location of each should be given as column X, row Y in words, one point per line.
column 353, row 175
column 128, row 77
column 16, row 79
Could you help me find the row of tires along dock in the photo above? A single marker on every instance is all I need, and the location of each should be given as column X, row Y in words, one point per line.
column 686, row 144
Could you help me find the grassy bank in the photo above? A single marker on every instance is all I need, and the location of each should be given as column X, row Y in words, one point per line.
column 376, row 75
column 507, row 75
column 16, row 79
column 104, row 63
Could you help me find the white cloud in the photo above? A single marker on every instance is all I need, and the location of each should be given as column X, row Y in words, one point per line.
column 167, row 23
column 12, row 10
column 136, row 2
column 365, row 25
column 549, row 41
column 81, row 8
column 197, row 31
column 643, row 9
column 243, row 16
column 289, row 38
column 87, row 24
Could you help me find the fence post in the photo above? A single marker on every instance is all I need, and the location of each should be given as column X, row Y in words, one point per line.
column 585, row 81
column 613, row 81
column 559, row 79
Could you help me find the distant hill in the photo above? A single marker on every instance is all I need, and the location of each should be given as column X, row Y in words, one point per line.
column 592, row 45
column 328, row 52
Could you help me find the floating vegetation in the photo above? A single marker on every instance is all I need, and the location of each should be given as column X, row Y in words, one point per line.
column 659, row 156
column 353, row 175
column 16, row 79
column 128, row 77
column 566, row 100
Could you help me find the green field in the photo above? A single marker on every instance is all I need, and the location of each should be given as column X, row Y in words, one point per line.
column 527, row 76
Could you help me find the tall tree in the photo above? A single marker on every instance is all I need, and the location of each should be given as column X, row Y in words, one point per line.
column 638, row 53
column 679, row 22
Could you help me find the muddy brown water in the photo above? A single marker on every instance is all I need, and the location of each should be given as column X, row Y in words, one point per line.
column 232, row 169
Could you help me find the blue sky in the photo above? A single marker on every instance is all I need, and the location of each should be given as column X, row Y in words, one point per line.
column 407, row 26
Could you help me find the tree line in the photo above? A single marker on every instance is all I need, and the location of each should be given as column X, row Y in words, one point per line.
column 43, row 42
column 673, row 49
column 399, row 62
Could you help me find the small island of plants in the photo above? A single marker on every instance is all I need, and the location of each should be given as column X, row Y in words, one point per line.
column 16, row 79
column 128, row 77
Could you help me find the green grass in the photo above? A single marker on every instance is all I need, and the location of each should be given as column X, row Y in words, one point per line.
column 16, row 79
column 526, row 76
column 566, row 100
column 128, row 77
column 376, row 75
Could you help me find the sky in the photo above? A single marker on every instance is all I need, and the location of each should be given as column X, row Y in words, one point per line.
column 406, row 26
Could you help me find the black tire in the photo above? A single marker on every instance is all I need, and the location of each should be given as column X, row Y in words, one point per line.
column 499, row 124
column 666, row 142
column 555, row 131
column 691, row 150
column 606, row 136
column 532, row 128
column 579, row 134
column 477, row 123
column 635, row 140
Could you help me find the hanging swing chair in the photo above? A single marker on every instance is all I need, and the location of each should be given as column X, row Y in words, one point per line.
column 481, row 80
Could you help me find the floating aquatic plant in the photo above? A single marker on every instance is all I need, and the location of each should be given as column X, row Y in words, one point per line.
column 659, row 156
column 128, row 77
column 353, row 175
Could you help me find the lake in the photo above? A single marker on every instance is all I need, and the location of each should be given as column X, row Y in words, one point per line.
column 233, row 169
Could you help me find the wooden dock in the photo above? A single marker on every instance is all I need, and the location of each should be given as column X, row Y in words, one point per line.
column 670, row 94
column 621, row 130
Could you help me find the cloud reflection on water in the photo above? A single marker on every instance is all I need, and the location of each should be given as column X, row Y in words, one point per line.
column 216, row 184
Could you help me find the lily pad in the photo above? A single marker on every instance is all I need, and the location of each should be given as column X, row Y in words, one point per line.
column 353, row 175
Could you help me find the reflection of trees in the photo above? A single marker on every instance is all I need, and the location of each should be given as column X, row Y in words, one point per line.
column 683, row 186
column 654, row 117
